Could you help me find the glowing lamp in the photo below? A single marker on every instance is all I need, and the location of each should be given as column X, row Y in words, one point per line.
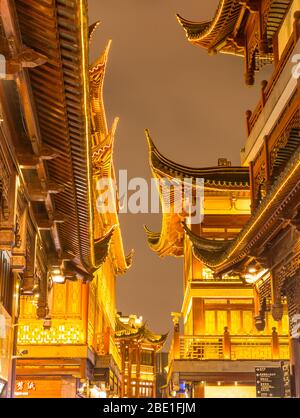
column 58, row 278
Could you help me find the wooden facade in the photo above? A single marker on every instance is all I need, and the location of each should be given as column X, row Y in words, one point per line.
column 267, row 248
column 59, row 256
column 244, row 29
column 138, row 347
column 218, row 313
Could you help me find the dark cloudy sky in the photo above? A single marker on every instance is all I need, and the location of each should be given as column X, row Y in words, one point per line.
column 194, row 104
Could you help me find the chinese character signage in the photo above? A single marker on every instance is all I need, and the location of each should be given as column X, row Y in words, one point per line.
column 24, row 388
column 269, row 382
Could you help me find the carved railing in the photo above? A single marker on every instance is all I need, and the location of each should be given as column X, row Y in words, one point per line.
column 201, row 348
column 107, row 346
column 268, row 87
column 227, row 347
column 276, row 151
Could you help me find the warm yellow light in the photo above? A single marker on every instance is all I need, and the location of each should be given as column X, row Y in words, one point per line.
column 252, row 278
column 56, row 271
column 219, row 383
column 58, row 278
column 252, row 270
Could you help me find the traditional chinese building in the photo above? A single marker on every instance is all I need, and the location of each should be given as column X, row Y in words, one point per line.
column 220, row 346
column 138, row 347
column 58, row 249
column 267, row 247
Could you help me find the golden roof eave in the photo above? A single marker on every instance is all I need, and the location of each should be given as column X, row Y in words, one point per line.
column 60, row 89
column 170, row 241
column 103, row 157
column 214, row 34
column 232, row 178
column 125, row 331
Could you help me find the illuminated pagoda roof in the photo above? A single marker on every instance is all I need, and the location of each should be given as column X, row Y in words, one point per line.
column 220, row 33
column 263, row 225
column 132, row 327
column 69, row 119
column 213, row 34
column 92, row 29
column 221, row 178
column 102, row 154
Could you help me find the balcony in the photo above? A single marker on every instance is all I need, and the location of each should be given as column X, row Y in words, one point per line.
column 278, row 91
column 106, row 346
column 226, row 347
column 285, row 40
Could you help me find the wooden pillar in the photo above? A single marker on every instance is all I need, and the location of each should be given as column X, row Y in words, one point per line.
column 252, row 186
column 275, row 345
column 129, row 365
column 277, row 307
column 198, row 316
column 275, row 50
column 264, row 84
column 226, row 344
column 176, row 334
column 155, row 371
column 296, row 32
column 256, row 301
column 248, row 116
column 85, row 310
column 123, row 346
column 263, row 38
column 295, row 363
column 199, row 390
column 138, row 370
column 107, row 341
column 267, row 162
column 292, row 291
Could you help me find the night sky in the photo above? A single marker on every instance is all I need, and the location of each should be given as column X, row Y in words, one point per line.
column 194, row 105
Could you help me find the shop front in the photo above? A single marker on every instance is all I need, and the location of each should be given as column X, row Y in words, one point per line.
column 5, row 352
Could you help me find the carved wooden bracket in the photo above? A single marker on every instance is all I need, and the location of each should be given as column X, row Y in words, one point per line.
column 29, row 161
column 24, row 57
column 39, row 193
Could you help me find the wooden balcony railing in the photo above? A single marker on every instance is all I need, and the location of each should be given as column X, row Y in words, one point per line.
column 268, row 87
column 107, row 346
column 227, row 347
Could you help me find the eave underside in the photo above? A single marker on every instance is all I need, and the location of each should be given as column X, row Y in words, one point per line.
column 284, row 195
column 218, row 34
column 56, row 29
